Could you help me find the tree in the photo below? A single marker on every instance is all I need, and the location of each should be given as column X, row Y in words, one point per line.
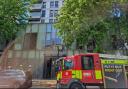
column 13, row 16
column 84, row 21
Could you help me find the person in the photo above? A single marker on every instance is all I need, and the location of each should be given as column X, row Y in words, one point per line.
column 29, row 76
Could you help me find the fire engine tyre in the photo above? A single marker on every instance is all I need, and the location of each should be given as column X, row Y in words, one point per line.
column 58, row 86
column 101, row 87
column 16, row 85
column 76, row 86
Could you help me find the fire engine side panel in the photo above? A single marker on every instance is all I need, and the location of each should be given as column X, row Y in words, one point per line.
column 98, row 69
column 59, row 75
column 77, row 63
column 87, row 75
column 93, row 76
column 76, row 72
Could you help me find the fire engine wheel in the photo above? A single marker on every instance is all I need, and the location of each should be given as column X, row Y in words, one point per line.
column 76, row 86
column 16, row 85
column 58, row 86
column 101, row 87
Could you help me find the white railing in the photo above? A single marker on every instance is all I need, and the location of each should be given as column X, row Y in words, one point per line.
column 36, row 6
column 113, row 56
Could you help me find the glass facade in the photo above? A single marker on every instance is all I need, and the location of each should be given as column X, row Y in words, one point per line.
column 51, row 35
column 51, row 20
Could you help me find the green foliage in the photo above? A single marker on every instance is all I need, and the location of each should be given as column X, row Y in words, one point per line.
column 85, row 20
column 13, row 16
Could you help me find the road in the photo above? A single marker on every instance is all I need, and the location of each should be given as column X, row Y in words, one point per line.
column 53, row 87
column 39, row 87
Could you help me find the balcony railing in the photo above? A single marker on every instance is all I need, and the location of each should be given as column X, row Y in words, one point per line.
column 36, row 6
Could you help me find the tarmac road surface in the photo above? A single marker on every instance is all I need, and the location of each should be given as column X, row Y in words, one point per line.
column 41, row 87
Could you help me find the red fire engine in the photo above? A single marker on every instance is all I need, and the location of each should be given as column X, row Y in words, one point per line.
column 78, row 71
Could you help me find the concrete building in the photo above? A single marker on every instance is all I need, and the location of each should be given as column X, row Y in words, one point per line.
column 34, row 47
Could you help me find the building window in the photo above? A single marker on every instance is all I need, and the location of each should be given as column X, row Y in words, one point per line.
column 55, row 20
column 62, row 2
column 44, row 4
column 51, row 13
column 68, row 64
column 55, row 13
column 51, row 4
column 43, row 13
column 48, row 36
column 49, row 28
column 56, row 4
column 43, row 21
column 48, row 39
column 51, row 20
column 30, row 41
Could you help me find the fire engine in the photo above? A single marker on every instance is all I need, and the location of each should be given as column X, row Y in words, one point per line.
column 78, row 71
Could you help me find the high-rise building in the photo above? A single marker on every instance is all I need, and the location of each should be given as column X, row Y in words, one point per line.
column 45, row 11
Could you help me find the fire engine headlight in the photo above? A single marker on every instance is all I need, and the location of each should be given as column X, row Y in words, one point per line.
column 87, row 74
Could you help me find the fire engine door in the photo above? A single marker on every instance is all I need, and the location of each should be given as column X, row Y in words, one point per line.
column 67, row 70
column 88, row 69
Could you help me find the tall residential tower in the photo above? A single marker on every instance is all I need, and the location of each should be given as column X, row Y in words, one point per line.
column 45, row 11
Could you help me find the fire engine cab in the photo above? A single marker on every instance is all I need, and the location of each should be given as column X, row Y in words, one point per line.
column 78, row 71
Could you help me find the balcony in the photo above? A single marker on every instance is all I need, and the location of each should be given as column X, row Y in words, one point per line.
column 35, row 15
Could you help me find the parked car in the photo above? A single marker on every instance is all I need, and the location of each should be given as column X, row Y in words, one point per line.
column 15, row 79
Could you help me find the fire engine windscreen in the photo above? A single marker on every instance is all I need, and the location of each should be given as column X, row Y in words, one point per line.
column 68, row 64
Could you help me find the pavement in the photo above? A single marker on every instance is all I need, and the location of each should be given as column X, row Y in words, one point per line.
column 51, row 84
column 41, row 84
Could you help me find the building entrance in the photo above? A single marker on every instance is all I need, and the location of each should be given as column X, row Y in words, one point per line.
column 49, row 68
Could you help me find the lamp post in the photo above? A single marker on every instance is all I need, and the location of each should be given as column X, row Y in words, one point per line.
column 116, row 13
